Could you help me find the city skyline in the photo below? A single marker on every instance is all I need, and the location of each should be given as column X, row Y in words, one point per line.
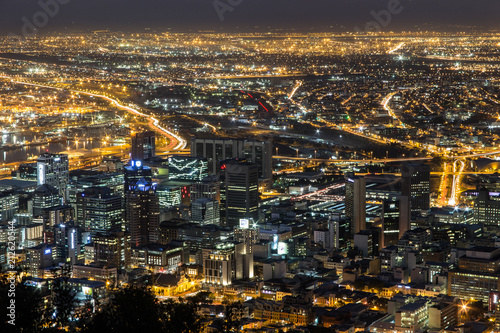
column 232, row 166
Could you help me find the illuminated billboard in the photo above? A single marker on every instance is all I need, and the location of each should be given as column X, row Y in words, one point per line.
column 244, row 223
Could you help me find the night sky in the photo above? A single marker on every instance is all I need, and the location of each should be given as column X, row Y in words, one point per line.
column 303, row 15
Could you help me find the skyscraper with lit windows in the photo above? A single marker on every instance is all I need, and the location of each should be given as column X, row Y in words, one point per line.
column 142, row 213
column 53, row 170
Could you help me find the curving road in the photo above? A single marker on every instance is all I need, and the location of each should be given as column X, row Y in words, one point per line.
column 176, row 142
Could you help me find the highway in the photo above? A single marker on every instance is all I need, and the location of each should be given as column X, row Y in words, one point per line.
column 297, row 86
column 176, row 142
column 456, row 182
column 396, row 48
column 385, row 105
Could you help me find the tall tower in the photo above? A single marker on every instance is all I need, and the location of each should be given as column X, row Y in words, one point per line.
column 98, row 210
column 135, row 172
column 247, row 233
column 415, row 184
column 241, row 191
column 355, row 203
column 53, row 170
column 68, row 242
column 142, row 213
column 143, row 146
column 45, row 196
column 205, row 211
column 395, row 219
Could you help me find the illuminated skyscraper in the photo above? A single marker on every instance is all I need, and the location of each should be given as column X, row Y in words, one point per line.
column 477, row 275
column 142, row 213
column 39, row 258
column 207, row 188
column 248, row 234
column 395, row 219
column 241, row 191
column 487, row 208
column 205, row 211
column 45, row 196
column 98, row 210
column 135, row 172
column 53, row 170
column 68, row 242
column 112, row 249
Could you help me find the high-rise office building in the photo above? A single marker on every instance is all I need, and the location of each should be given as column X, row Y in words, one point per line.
column 207, row 188
column 142, row 213
column 169, row 195
column 99, row 210
column 112, row 249
column 45, row 196
column 228, row 262
column 248, row 234
column 477, row 275
column 395, row 219
column 241, row 183
column 205, row 211
column 143, row 146
column 217, row 150
column 78, row 183
column 55, row 216
column 9, row 205
column 187, row 168
column 53, row 170
column 415, row 184
column 69, row 244
column 135, row 172
column 355, row 203
column 367, row 241
column 487, row 208
column 340, row 228
column 38, row 259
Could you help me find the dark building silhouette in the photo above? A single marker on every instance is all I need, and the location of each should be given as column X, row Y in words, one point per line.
column 355, row 203
column 415, row 184
column 143, row 146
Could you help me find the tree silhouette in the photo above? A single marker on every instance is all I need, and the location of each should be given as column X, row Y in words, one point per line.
column 232, row 317
column 63, row 299
column 28, row 303
column 133, row 309
column 136, row 309
column 180, row 317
